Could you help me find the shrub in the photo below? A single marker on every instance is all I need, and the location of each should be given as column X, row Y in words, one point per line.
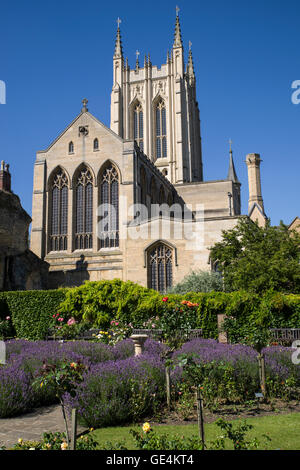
column 102, row 302
column 199, row 281
column 119, row 392
column 31, row 311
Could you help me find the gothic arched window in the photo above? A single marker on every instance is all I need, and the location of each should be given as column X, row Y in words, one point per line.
column 96, row 144
column 84, row 210
column 109, row 207
column 71, row 147
column 160, row 267
column 138, row 129
column 59, row 212
column 161, row 129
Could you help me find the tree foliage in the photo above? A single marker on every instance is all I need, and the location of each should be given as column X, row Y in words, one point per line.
column 257, row 259
column 199, row 281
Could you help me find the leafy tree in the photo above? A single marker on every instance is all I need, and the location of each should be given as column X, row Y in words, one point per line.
column 257, row 259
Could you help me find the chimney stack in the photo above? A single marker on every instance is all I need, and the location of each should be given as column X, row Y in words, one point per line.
column 5, row 178
column 253, row 161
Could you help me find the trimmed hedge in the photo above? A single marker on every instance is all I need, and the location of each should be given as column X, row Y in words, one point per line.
column 31, row 311
column 103, row 301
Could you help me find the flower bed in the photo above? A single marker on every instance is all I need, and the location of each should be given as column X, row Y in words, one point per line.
column 119, row 387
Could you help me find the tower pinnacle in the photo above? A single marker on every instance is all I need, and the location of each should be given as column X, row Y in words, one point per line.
column 118, row 47
column 232, row 176
column 190, row 64
column 177, row 35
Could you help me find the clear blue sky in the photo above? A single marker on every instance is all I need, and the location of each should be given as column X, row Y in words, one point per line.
column 246, row 55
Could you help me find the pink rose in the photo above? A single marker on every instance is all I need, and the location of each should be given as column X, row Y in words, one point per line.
column 71, row 321
column 7, row 318
column 116, row 323
column 60, row 319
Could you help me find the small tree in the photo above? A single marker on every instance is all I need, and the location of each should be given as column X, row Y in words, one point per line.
column 199, row 281
column 64, row 378
column 257, row 259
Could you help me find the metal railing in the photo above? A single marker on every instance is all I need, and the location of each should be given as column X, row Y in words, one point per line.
column 286, row 334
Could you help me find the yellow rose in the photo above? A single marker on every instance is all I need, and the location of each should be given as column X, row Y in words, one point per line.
column 64, row 446
column 20, row 440
column 146, row 427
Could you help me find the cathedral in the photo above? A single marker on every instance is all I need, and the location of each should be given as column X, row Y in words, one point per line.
column 129, row 201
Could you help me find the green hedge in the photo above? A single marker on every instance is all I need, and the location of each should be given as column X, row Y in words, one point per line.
column 31, row 311
column 100, row 302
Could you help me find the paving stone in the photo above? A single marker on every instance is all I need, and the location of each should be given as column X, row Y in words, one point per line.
column 31, row 426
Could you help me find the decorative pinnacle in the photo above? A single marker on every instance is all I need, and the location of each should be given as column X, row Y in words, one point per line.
column 177, row 35
column 232, row 176
column 137, row 64
column 190, row 64
column 84, row 109
column 118, row 46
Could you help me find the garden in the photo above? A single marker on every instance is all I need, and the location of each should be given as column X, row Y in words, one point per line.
column 185, row 389
column 109, row 385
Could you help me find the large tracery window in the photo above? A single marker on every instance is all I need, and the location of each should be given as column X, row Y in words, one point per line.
column 138, row 130
column 109, row 204
column 160, row 267
column 84, row 210
column 59, row 212
column 161, row 130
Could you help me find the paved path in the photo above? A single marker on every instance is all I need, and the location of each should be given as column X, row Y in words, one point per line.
column 31, row 426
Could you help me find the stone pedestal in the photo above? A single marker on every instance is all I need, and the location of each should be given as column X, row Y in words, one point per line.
column 222, row 337
column 139, row 341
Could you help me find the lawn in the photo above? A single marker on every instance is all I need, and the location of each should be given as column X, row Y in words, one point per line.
column 283, row 430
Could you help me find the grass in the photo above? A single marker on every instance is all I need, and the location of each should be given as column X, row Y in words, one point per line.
column 283, row 430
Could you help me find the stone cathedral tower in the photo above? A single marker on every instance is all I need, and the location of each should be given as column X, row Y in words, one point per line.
column 157, row 107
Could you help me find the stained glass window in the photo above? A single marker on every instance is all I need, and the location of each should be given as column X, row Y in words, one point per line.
column 109, row 197
column 84, row 210
column 161, row 130
column 59, row 212
column 160, row 268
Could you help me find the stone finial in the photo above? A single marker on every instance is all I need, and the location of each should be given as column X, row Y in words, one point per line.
column 84, row 109
column 137, row 64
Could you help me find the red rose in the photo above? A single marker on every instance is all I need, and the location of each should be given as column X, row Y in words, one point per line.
column 165, row 299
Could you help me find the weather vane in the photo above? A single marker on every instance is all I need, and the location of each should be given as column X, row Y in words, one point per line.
column 118, row 22
column 190, row 45
column 230, row 143
column 177, row 10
